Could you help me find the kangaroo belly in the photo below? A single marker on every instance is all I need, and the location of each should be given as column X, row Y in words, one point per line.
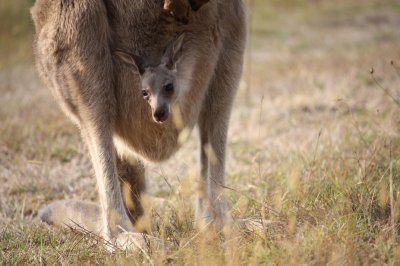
column 139, row 135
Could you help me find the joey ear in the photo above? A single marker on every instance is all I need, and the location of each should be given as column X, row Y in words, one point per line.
column 196, row 4
column 173, row 52
column 131, row 60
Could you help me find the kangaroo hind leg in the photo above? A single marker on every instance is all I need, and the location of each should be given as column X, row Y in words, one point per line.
column 213, row 131
column 132, row 180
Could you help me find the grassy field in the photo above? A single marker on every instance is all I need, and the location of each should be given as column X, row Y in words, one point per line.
column 313, row 156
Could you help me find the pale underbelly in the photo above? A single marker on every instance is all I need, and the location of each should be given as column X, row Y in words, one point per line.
column 150, row 141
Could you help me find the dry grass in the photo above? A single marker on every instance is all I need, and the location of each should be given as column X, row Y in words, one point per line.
column 314, row 149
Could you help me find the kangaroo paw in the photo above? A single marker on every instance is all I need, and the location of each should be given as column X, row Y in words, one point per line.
column 211, row 213
column 138, row 242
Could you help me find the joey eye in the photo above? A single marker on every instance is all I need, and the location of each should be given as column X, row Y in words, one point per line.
column 145, row 93
column 169, row 88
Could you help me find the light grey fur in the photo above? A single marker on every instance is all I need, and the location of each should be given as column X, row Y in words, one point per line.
column 76, row 50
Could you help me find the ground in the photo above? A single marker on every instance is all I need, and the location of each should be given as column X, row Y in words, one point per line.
column 313, row 151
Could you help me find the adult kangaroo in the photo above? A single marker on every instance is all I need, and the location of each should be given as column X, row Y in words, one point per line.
column 102, row 58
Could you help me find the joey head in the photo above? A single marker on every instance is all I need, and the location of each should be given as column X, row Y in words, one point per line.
column 159, row 85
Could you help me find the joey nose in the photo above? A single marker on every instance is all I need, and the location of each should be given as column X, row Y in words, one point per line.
column 160, row 115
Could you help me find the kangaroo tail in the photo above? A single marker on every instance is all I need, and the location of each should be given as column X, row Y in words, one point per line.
column 74, row 214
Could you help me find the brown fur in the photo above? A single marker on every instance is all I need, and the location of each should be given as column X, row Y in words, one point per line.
column 75, row 49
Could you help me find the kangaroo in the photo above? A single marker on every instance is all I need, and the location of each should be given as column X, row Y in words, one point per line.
column 133, row 83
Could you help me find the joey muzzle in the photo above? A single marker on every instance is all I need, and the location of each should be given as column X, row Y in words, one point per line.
column 161, row 114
